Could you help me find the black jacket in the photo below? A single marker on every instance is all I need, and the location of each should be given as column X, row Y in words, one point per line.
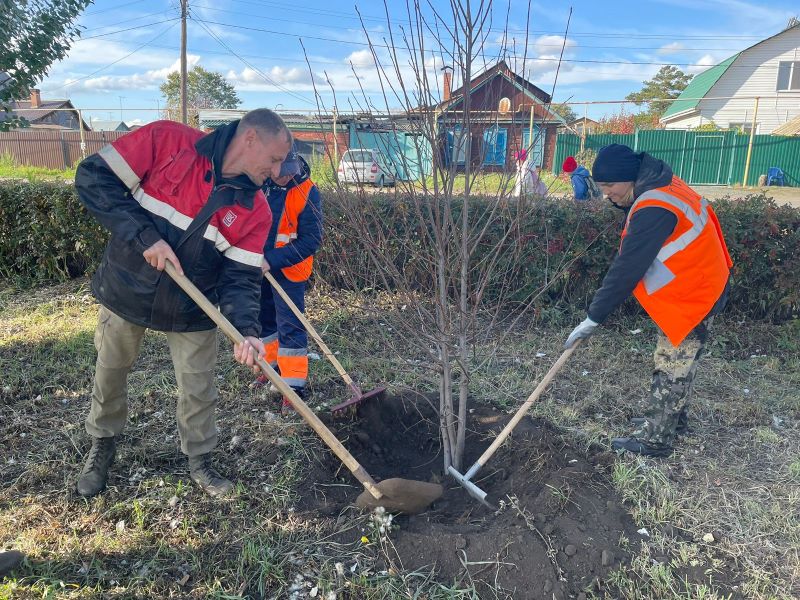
column 164, row 182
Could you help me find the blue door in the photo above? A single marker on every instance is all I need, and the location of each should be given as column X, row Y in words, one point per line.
column 494, row 146
column 538, row 144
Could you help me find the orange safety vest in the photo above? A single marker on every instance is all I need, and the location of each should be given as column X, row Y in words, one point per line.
column 691, row 270
column 296, row 199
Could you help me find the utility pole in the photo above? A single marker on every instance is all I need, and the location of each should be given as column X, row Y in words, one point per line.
column 335, row 141
column 184, row 10
column 750, row 145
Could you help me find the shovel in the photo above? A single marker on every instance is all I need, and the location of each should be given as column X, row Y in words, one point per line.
column 466, row 479
column 395, row 495
column 358, row 396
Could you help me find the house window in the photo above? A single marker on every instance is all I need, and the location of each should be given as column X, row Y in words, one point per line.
column 494, row 146
column 457, row 145
column 788, row 76
column 742, row 128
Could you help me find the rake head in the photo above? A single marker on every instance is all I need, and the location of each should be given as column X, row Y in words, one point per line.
column 350, row 406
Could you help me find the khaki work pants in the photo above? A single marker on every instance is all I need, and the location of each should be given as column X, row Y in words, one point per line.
column 194, row 356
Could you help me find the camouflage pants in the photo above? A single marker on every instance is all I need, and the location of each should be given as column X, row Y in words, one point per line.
column 673, row 379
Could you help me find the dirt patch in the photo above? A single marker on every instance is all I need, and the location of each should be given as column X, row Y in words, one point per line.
column 560, row 527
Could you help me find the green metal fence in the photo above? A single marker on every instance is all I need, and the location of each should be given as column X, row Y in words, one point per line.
column 701, row 157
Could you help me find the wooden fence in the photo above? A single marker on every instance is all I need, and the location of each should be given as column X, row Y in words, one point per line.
column 53, row 148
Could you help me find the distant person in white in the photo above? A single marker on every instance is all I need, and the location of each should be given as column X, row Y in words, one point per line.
column 527, row 181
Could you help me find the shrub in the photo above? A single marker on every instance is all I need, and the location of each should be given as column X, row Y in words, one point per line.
column 46, row 235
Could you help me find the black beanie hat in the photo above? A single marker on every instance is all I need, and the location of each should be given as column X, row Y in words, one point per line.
column 616, row 163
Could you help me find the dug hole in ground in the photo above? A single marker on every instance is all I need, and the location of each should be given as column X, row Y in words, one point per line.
column 559, row 528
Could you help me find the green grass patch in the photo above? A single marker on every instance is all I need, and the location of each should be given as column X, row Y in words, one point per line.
column 10, row 168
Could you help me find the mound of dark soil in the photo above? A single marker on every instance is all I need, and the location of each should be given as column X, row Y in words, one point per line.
column 558, row 528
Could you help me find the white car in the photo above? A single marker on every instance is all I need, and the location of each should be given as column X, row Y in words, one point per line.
column 362, row 165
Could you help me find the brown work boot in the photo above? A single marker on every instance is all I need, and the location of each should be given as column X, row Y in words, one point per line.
column 207, row 477
column 94, row 475
column 9, row 561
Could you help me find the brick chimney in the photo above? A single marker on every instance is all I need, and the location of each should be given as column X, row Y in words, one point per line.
column 447, row 83
column 36, row 98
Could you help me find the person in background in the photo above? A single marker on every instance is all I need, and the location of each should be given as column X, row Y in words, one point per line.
column 583, row 185
column 674, row 260
column 294, row 237
column 527, row 180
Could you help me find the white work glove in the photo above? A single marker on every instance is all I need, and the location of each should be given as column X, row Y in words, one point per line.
column 583, row 330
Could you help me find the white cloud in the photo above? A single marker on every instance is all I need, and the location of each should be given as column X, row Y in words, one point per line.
column 361, row 58
column 103, row 52
column 672, row 48
column 150, row 79
column 249, row 80
column 701, row 64
column 551, row 44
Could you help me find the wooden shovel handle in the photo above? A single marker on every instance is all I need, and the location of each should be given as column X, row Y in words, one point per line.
column 498, row 441
column 309, row 328
column 302, row 408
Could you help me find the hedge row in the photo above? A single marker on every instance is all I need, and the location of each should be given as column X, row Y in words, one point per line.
column 46, row 235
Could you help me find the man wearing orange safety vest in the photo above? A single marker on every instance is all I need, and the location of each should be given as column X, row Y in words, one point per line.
column 674, row 260
column 294, row 237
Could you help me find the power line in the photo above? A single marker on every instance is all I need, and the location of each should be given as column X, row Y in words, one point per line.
column 118, row 23
column 558, row 45
column 382, row 19
column 73, row 82
column 490, row 56
column 117, row 7
column 256, row 69
column 99, row 35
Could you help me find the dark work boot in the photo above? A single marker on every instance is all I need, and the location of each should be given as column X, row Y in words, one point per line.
column 682, row 428
column 207, row 477
column 9, row 561
column 637, row 446
column 95, row 472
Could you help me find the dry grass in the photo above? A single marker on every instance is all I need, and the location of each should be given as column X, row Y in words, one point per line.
column 154, row 535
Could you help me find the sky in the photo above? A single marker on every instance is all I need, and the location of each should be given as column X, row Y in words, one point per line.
column 298, row 56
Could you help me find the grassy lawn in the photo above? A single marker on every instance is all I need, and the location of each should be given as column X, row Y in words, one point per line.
column 10, row 169
column 726, row 504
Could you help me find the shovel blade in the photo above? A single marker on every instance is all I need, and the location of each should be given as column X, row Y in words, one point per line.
column 402, row 496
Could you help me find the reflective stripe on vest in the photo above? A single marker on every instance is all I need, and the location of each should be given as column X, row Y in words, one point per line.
column 285, row 238
column 658, row 274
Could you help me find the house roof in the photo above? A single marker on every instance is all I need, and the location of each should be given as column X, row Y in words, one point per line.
column 211, row 119
column 100, row 125
column 698, row 87
column 791, row 127
column 22, row 108
column 702, row 83
column 582, row 120
column 501, row 69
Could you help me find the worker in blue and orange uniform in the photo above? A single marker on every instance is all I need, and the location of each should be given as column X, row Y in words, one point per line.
column 294, row 237
column 674, row 260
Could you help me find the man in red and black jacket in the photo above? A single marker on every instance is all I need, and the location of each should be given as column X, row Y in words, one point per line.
column 169, row 192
